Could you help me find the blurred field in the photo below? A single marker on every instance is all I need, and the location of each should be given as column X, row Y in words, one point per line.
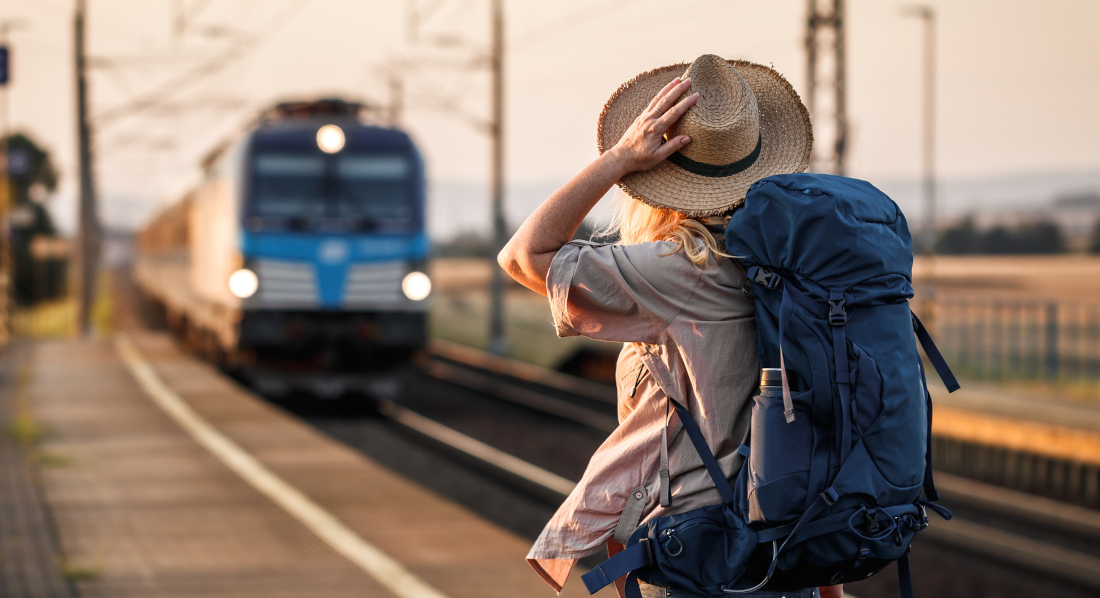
column 1074, row 277
column 460, row 313
column 461, row 301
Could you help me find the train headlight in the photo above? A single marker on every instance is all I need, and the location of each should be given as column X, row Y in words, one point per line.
column 416, row 285
column 243, row 283
column 330, row 138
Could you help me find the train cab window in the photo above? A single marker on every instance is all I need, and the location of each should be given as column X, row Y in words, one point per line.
column 370, row 188
column 374, row 186
column 288, row 185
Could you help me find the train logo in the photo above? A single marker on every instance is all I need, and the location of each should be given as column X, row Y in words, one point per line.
column 333, row 252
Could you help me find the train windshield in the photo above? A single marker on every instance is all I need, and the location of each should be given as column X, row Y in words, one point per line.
column 370, row 188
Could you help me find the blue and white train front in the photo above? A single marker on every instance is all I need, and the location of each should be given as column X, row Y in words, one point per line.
column 333, row 249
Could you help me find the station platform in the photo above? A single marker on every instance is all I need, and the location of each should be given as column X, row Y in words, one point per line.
column 164, row 478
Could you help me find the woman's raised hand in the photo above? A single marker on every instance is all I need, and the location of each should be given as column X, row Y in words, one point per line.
column 643, row 145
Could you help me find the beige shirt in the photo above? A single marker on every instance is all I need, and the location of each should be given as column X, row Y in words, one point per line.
column 693, row 329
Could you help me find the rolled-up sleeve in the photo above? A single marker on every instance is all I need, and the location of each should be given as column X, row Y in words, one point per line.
column 621, row 293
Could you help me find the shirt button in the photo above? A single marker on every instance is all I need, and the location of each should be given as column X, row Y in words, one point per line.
column 638, row 495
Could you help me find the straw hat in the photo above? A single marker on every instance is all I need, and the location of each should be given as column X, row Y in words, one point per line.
column 747, row 124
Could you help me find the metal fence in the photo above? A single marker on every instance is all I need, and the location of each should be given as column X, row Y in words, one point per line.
column 1002, row 339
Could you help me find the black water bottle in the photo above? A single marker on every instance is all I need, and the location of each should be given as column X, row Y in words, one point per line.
column 771, row 382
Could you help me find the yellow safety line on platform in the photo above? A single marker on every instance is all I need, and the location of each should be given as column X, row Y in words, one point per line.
column 388, row 571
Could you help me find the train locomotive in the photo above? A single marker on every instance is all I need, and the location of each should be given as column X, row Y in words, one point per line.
column 300, row 260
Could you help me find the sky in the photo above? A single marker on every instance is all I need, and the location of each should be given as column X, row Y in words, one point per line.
column 1016, row 90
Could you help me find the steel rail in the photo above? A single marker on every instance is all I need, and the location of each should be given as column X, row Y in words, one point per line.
column 1051, row 514
column 523, row 371
column 502, row 389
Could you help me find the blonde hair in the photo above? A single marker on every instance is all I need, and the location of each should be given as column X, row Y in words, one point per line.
column 636, row 222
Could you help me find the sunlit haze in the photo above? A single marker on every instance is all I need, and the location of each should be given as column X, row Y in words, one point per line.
column 1017, row 86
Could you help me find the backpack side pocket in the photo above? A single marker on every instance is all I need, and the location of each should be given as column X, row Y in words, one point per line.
column 780, row 459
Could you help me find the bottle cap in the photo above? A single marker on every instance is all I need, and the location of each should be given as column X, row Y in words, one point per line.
column 771, row 377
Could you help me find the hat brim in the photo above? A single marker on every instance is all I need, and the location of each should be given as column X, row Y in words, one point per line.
column 786, row 142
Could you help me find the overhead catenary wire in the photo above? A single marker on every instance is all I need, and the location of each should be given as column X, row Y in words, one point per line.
column 195, row 74
column 574, row 19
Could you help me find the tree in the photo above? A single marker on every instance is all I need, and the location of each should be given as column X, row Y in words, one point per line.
column 31, row 170
column 962, row 238
column 1042, row 236
column 1038, row 237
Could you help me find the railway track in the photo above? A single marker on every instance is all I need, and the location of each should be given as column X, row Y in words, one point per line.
column 1057, row 543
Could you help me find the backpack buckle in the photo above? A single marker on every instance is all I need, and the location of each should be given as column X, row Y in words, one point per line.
column 767, row 279
column 838, row 316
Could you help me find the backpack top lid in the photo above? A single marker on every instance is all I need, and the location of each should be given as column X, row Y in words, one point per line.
column 833, row 232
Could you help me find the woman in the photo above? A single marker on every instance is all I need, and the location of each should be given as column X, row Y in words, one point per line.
column 685, row 144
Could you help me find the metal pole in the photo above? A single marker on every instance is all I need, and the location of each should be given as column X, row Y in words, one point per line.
column 811, row 55
column 928, row 159
column 841, row 141
column 1052, row 350
column 397, row 96
column 86, row 250
column 497, row 342
column 826, row 96
column 7, row 277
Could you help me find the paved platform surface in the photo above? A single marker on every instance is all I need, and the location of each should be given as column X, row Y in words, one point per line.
column 30, row 557
column 142, row 509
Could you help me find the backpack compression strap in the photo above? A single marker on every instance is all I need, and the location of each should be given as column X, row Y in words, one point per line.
column 934, row 355
column 837, row 317
column 949, row 381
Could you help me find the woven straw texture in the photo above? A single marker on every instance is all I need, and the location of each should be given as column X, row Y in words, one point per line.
column 735, row 104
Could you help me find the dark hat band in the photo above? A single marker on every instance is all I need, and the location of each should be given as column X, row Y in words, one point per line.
column 716, row 171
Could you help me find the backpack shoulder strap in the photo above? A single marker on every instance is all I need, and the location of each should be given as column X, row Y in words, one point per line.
column 700, row 443
column 604, row 574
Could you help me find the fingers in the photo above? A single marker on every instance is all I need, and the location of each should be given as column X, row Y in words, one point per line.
column 678, row 110
column 668, row 99
column 661, row 94
column 673, row 145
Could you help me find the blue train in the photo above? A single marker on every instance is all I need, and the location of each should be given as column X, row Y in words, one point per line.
column 300, row 260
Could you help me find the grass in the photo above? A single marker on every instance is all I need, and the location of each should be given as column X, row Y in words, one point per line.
column 25, row 430
column 48, row 319
column 50, row 459
column 76, row 573
column 56, row 318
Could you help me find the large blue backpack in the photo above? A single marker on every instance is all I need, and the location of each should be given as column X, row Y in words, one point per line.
column 837, row 459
